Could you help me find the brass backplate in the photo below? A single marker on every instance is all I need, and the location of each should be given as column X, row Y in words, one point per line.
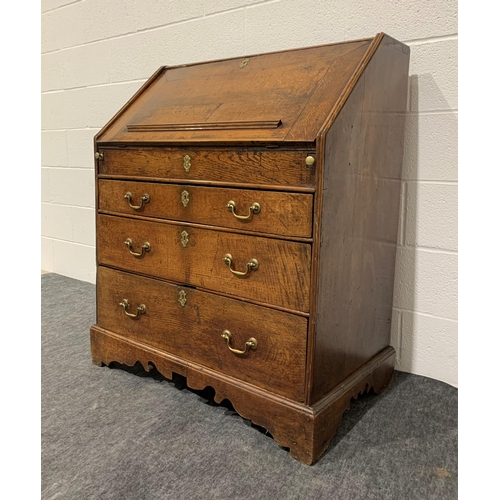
column 184, row 238
column 185, row 198
column 182, row 298
column 187, row 163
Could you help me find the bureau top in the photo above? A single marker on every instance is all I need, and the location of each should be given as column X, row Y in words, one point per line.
column 281, row 97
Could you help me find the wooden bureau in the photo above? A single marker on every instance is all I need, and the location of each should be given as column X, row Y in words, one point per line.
column 247, row 219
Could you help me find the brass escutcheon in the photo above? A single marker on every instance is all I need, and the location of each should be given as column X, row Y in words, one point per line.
column 187, row 163
column 144, row 199
column 244, row 63
column 251, row 343
column 252, row 265
column 254, row 209
column 141, row 309
column 184, row 238
column 185, row 198
column 182, row 298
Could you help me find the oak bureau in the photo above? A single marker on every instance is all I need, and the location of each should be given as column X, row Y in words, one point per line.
column 247, row 219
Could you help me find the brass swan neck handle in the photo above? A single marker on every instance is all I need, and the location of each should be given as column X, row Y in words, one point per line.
column 146, row 247
column 145, row 198
column 254, row 209
column 251, row 343
column 141, row 309
column 252, row 265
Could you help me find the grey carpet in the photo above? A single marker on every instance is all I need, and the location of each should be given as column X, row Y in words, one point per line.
column 124, row 434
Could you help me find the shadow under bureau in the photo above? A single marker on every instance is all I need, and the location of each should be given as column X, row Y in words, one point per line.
column 247, row 219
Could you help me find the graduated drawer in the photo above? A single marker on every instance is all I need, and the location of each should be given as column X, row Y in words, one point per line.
column 272, row 168
column 189, row 323
column 196, row 257
column 280, row 213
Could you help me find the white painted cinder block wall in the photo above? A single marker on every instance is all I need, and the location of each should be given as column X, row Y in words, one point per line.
column 97, row 53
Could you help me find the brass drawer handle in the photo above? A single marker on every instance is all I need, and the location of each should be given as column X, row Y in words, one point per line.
column 253, row 264
column 144, row 248
column 251, row 343
column 140, row 309
column 254, row 209
column 144, row 199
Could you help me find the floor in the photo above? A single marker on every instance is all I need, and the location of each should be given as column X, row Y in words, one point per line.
column 121, row 433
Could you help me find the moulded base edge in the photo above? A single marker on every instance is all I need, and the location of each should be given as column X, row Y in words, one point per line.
column 306, row 430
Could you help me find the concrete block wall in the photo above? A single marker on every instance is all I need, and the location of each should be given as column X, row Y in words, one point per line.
column 97, row 53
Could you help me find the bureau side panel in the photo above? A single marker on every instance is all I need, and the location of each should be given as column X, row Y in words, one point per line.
column 359, row 220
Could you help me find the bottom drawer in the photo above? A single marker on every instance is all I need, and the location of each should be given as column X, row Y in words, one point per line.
column 190, row 323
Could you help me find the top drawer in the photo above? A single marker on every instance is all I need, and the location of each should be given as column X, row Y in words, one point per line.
column 214, row 166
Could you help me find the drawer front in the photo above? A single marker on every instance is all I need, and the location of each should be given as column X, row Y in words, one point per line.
column 197, row 257
column 274, row 168
column 287, row 214
column 190, row 323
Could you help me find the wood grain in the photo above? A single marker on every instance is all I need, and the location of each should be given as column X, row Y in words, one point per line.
column 194, row 330
column 282, row 278
column 275, row 86
column 359, row 220
column 281, row 214
column 231, row 166
column 318, row 206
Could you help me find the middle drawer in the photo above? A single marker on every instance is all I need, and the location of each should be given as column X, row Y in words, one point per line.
column 286, row 214
column 266, row 270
